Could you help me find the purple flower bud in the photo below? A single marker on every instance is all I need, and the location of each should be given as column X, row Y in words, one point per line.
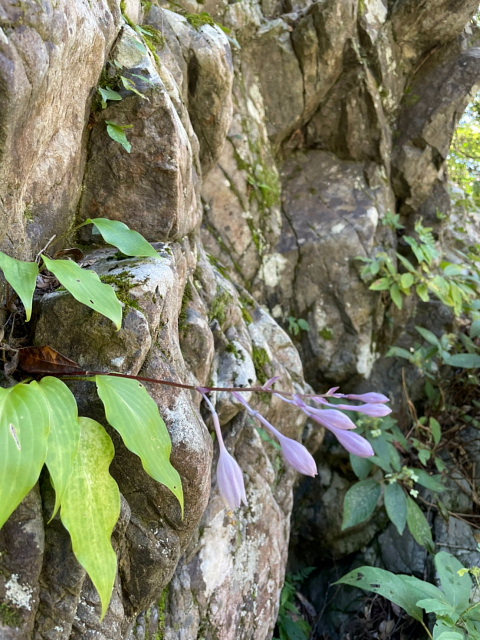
column 376, row 410
column 372, row 397
column 297, row 455
column 230, row 480
column 330, row 418
column 354, row 443
column 229, row 475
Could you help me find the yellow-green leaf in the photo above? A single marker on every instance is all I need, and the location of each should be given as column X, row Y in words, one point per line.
column 22, row 276
column 134, row 414
column 130, row 242
column 24, row 427
column 87, row 288
column 64, row 437
column 91, row 507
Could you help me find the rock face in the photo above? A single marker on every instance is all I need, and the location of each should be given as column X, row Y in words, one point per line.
column 262, row 162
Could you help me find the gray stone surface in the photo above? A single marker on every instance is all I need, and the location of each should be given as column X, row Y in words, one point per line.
column 290, row 138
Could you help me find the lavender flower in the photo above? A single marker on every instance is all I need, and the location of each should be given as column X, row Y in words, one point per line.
column 339, row 424
column 229, row 475
column 353, row 442
column 230, row 480
column 374, row 410
column 294, row 452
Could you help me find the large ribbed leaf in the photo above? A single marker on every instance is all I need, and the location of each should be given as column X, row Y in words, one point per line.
column 134, row 414
column 22, row 276
column 130, row 242
column 87, row 288
column 91, row 507
column 24, row 427
column 64, row 437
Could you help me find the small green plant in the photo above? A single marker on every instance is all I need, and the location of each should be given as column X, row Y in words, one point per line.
column 295, row 325
column 290, row 623
column 427, row 359
column 117, row 132
column 40, row 423
column 386, row 476
column 392, row 220
column 456, row 614
column 456, row 285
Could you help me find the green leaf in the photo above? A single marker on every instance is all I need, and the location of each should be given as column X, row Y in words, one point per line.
column 418, row 525
column 129, row 86
column 406, row 280
column 396, row 296
column 406, row 263
column 134, row 414
column 22, row 277
column 434, row 483
column 382, row 284
column 117, row 133
column 436, row 430
column 450, row 635
column 475, row 329
column 424, row 455
column 360, row 502
column 457, row 589
column 450, row 269
column 463, row 360
column 429, row 336
column 91, row 507
column 403, row 590
column 432, row 605
column 422, row 292
column 396, row 505
column 399, row 353
column 87, row 288
column 303, row 324
column 130, row 242
column 108, row 94
column 24, row 427
column 64, row 437
column 361, row 466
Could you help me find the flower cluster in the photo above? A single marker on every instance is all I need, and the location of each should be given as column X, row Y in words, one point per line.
column 229, row 475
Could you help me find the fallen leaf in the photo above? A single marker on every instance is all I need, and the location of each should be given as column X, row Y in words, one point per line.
column 45, row 360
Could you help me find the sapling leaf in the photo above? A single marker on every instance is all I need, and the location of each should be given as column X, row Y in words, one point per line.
column 396, row 296
column 422, row 292
column 436, row 430
column 87, row 288
column 360, row 502
column 130, row 242
column 441, row 608
column 24, row 428
column 463, row 360
column 22, row 277
column 448, row 634
column 428, row 335
column 475, row 329
column 117, row 133
column 91, row 507
column 64, row 437
column 457, row 589
column 382, row 284
column 134, row 414
column 434, row 483
column 418, row 525
column 396, row 505
column 130, row 86
column 361, row 466
column 108, row 94
column 405, row 591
